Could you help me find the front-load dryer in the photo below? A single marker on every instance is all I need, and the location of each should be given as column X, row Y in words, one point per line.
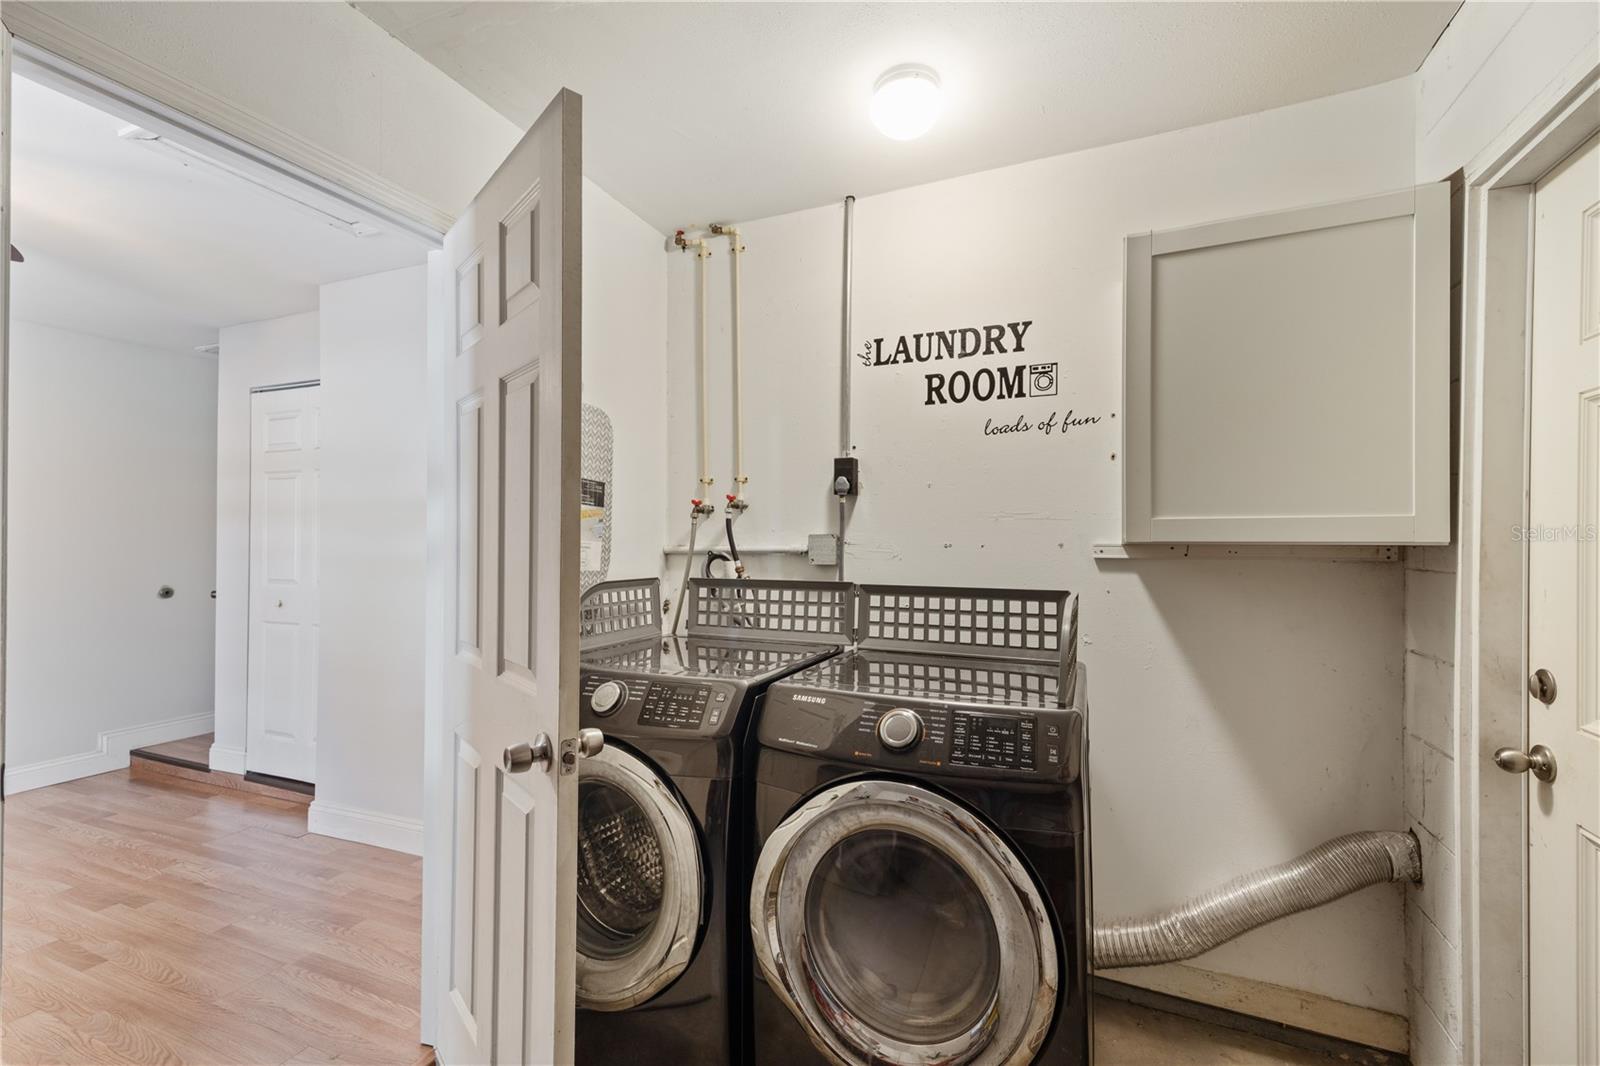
column 661, row 832
column 920, row 875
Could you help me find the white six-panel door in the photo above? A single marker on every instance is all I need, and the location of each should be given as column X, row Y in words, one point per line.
column 281, row 685
column 5, row 363
column 1564, row 616
column 513, row 262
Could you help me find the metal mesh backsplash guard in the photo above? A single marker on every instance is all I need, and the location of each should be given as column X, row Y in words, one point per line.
column 1032, row 624
column 811, row 612
column 615, row 612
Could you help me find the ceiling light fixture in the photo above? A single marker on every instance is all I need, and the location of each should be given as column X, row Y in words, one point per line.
column 906, row 101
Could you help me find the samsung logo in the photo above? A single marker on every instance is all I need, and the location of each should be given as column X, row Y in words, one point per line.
column 801, row 698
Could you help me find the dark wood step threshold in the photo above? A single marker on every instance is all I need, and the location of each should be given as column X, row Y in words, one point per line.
column 170, row 760
column 288, row 784
column 154, row 764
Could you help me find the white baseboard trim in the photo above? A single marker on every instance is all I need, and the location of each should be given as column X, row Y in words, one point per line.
column 1303, row 1010
column 111, row 753
column 226, row 760
column 365, row 827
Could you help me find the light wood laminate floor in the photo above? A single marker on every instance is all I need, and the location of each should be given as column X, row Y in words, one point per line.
column 166, row 923
column 155, row 922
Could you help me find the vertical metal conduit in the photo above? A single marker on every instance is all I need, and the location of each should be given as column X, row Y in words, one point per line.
column 844, row 340
column 845, row 444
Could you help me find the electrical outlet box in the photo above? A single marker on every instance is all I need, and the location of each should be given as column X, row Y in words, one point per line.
column 846, row 476
column 822, row 549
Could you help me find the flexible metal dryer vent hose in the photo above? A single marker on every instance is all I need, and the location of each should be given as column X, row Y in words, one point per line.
column 1323, row 874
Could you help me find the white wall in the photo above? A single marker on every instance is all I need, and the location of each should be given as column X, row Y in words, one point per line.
column 1492, row 66
column 274, row 352
column 372, row 527
column 1490, row 63
column 1243, row 711
column 624, row 370
column 113, row 486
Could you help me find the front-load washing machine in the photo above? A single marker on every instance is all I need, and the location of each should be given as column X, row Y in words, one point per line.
column 920, row 877
column 661, row 944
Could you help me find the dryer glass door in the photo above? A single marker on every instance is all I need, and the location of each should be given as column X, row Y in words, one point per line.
column 640, row 882
column 899, row 928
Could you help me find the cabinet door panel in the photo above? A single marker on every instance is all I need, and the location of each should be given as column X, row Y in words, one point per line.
column 1287, row 376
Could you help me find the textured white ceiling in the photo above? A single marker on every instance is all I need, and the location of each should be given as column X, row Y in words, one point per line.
column 126, row 242
column 704, row 111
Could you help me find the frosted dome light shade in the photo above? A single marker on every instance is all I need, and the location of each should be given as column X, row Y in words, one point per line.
column 906, row 102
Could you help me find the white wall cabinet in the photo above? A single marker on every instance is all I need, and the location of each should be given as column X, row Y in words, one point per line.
column 1287, row 376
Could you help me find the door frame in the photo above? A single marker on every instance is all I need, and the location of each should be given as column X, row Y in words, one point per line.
column 1492, row 580
column 44, row 49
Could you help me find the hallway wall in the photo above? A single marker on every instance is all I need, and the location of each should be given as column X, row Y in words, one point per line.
column 112, row 456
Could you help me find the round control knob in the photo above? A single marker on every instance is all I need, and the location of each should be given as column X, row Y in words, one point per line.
column 607, row 697
column 899, row 729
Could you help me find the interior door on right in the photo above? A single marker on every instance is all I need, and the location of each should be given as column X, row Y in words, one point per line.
column 1564, row 616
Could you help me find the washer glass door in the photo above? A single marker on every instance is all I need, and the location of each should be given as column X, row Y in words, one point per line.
column 640, row 882
column 898, row 928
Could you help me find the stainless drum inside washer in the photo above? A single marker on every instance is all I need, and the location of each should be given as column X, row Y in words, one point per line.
column 619, row 871
column 640, row 882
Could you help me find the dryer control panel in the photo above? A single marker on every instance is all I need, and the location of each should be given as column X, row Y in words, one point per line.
column 930, row 737
column 1003, row 742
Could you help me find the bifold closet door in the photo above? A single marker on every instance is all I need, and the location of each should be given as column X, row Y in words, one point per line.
column 285, row 604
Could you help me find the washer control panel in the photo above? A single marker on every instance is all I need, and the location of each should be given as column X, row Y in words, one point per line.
column 624, row 703
column 675, row 706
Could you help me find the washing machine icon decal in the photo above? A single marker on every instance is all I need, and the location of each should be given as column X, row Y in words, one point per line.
column 1042, row 379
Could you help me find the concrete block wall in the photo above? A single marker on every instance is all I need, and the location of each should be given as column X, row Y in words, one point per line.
column 1430, row 750
column 1433, row 909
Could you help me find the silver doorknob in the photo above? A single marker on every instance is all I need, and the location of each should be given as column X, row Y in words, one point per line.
column 521, row 757
column 1539, row 760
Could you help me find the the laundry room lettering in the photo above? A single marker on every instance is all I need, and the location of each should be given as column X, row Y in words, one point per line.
column 963, row 343
column 944, row 386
